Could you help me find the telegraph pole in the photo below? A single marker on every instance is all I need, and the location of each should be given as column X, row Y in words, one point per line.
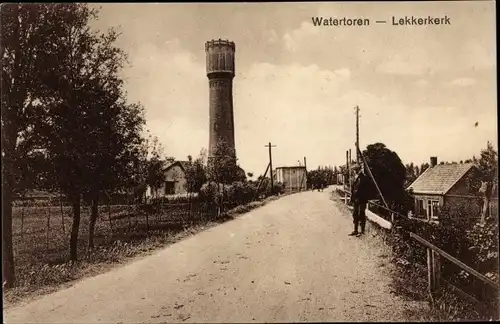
column 357, row 134
column 347, row 175
column 305, row 167
column 271, row 164
column 350, row 170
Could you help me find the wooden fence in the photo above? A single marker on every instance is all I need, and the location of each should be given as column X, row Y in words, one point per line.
column 434, row 258
column 44, row 230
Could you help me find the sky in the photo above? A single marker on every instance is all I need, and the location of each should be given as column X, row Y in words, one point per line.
column 420, row 89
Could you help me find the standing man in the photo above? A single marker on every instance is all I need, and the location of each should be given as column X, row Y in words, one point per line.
column 359, row 197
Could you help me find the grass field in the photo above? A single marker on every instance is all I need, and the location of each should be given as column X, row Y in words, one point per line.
column 41, row 241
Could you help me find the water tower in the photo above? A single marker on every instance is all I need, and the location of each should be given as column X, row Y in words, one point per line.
column 220, row 73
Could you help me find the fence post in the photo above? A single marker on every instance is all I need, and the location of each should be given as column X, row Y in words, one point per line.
column 62, row 213
column 433, row 271
column 109, row 215
column 430, row 271
column 22, row 221
column 48, row 228
column 436, row 267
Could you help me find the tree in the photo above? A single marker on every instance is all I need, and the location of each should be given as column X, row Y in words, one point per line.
column 423, row 167
column 321, row 177
column 150, row 166
column 411, row 174
column 344, row 173
column 488, row 162
column 336, row 172
column 389, row 173
column 488, row 170
column 116, row 143
column 222, row 166
column 417, row 171
column 195, row 175
column 30, row 32
column 155, row 166
column 90, row 133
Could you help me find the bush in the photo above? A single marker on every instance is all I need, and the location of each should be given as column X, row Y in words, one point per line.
column 241, row 193
column 209, row 193
column 278, row 188
column 459, row 234
column 484, row 239
column 175, row 199
column 265, row 188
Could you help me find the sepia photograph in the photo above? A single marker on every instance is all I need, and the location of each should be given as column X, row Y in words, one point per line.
column 263, row 162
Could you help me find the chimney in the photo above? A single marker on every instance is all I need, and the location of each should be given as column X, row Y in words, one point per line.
column 434, row 161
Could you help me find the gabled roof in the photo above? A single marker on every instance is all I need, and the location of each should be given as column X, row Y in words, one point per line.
column 182, row 164
column 440, row 178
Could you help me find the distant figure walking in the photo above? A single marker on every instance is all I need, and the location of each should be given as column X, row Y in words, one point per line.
column 359, row 197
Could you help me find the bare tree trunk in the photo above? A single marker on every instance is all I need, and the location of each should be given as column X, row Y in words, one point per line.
column 73, row 243
column 9, row 276
column 48, row 227
column 223, row 198
column 109, row 212
column 190, row 217
column 129, row 215
column 218, row 201
column 62, row 214
column 486, row 191
column 160, row 210
column 22, row 222
column 147, row 221
column 93, row 218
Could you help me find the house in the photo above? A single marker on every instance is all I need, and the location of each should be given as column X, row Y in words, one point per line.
column 293, row 178
column 444, row 185
column 175, row 181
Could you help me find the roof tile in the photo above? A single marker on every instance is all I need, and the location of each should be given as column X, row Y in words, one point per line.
column 440, row 178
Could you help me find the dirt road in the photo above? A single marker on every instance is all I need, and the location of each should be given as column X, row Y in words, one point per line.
column 290, row 260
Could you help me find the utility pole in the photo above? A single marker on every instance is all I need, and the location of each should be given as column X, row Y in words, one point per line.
column 305, row 168
column 346, row 178
column 350, row 171
column 357, row 134
column 271, row 164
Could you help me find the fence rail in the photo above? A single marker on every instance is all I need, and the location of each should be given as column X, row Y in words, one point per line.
column 454, row 260
column 347, row 198
column 434, row 255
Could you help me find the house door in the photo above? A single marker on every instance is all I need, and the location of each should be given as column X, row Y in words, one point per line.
column 169, row 187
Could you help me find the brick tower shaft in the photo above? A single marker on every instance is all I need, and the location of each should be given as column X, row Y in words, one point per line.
column 220, row 73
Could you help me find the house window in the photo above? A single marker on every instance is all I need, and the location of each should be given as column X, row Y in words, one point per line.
column 432, row 209
column 420, row 208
